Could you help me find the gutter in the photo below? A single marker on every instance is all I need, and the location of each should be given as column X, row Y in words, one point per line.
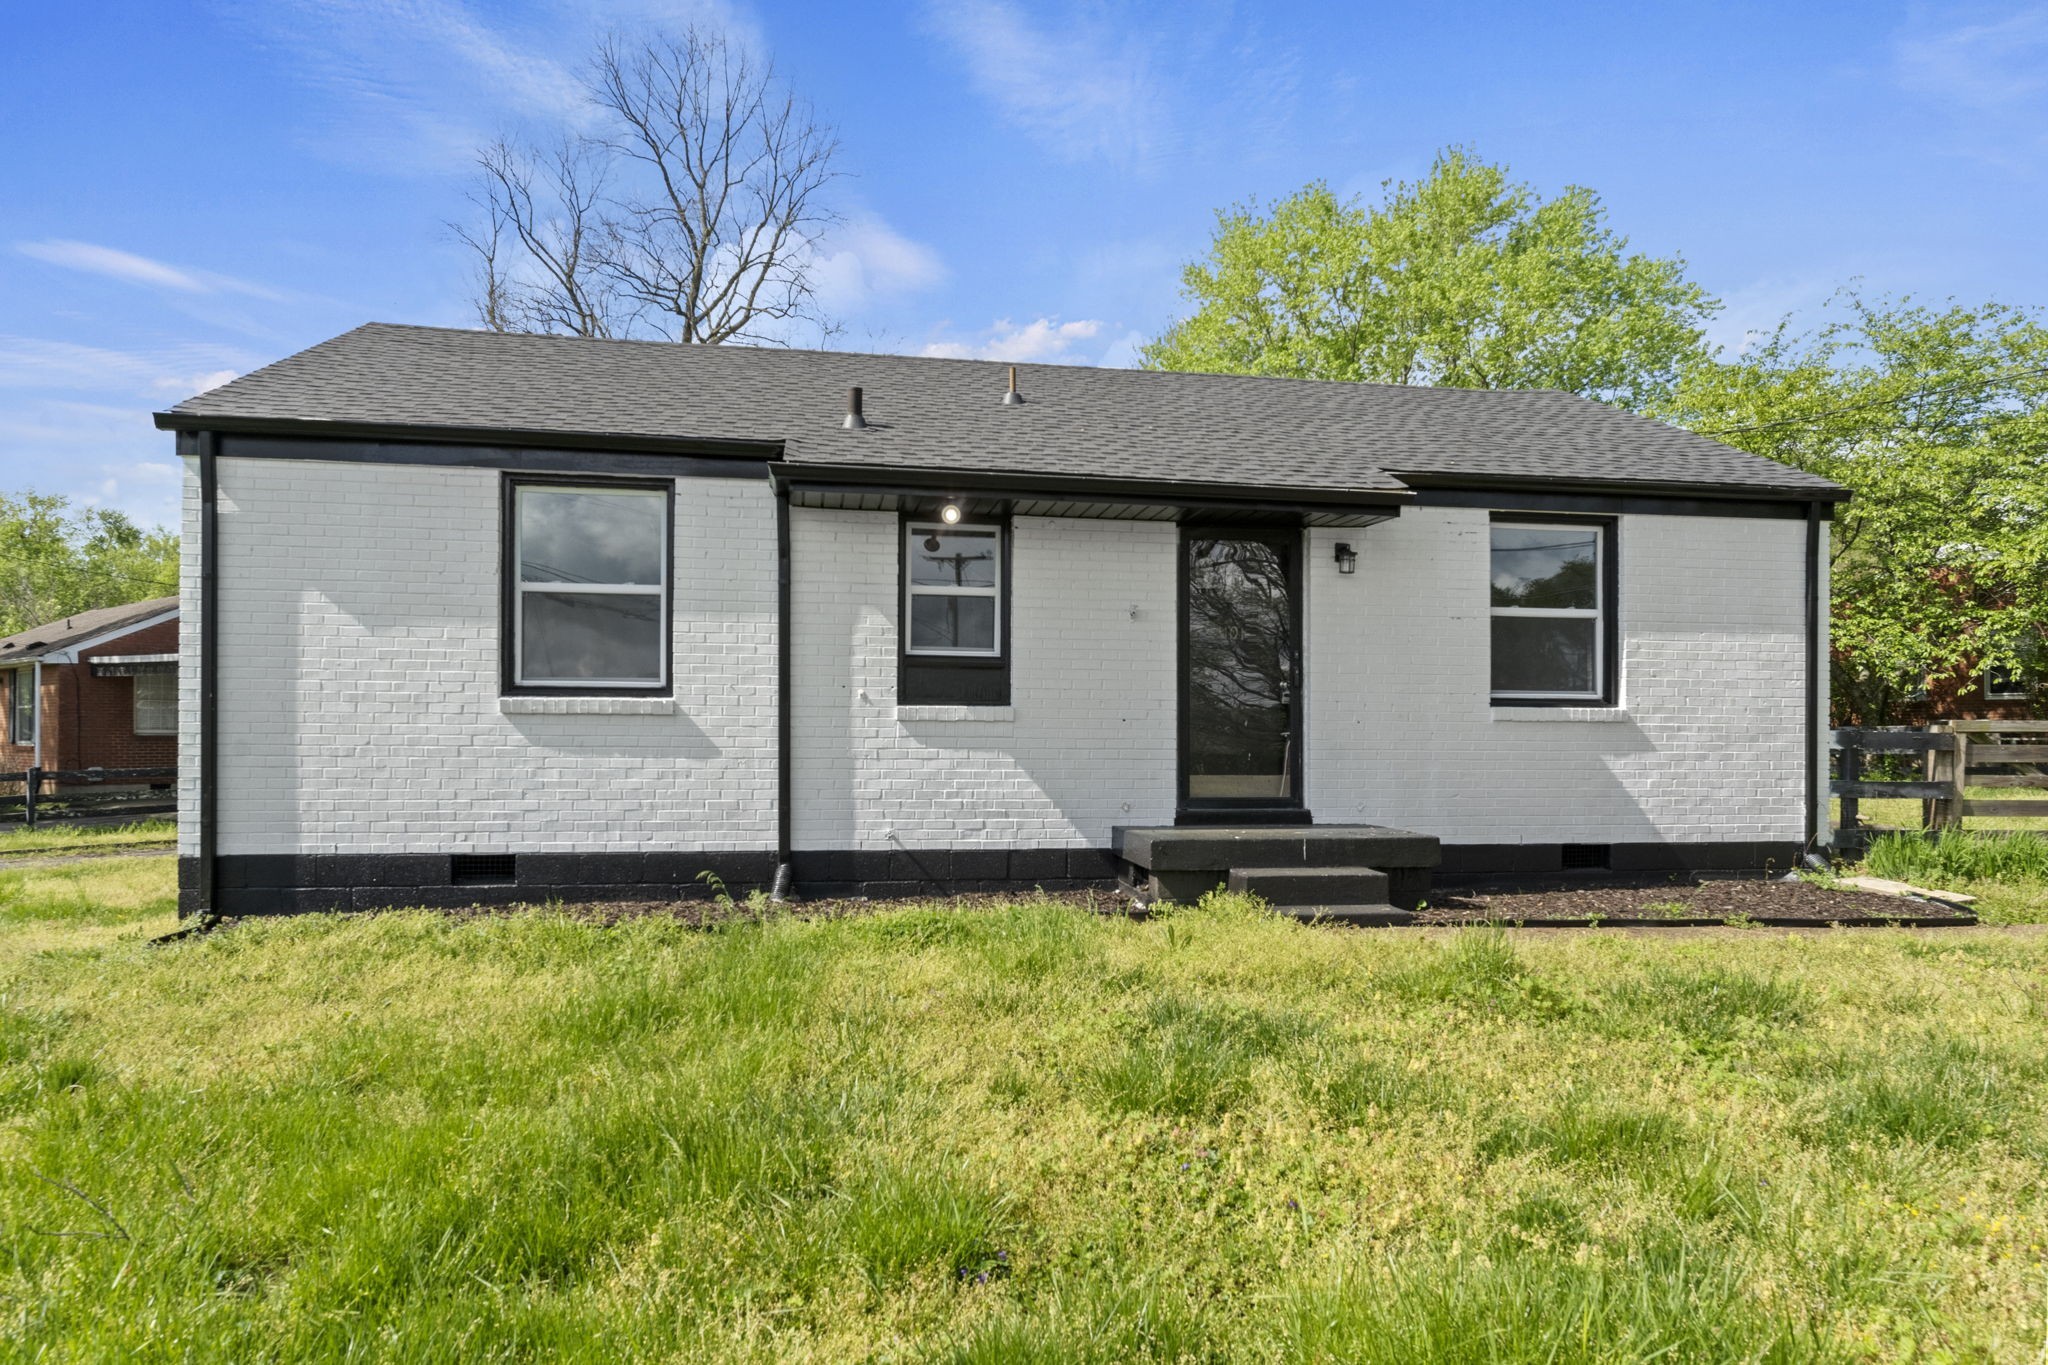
column 454, row 434
column 1814, row 664
column 785, row 634
column 209, row 679
column 1079, row 487
column 1513, row 483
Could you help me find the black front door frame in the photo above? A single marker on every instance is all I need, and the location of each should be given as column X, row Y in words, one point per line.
column 1249, row 810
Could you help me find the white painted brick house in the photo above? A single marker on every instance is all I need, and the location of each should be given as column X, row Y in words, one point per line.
column 473, row 616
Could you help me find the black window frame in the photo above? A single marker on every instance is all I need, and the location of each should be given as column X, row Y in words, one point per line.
column 508, row 587
column 1607, row 629
column 954, row 679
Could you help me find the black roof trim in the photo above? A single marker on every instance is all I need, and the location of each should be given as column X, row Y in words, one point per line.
column 1646, row 488
column 724, row 448
column 891, row 479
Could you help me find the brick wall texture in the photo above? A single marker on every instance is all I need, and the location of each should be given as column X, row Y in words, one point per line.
column 360, row 700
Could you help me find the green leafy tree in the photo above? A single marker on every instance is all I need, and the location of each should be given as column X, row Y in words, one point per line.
column 1936, row 418
column 57, row 560
column 1464, row 280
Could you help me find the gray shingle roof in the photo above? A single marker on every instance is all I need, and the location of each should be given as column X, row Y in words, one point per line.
column 67, row 631
column 932, row 414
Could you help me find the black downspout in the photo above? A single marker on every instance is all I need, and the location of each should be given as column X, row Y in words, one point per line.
column 785, row 871
column 1814, row 664
column 209, row 671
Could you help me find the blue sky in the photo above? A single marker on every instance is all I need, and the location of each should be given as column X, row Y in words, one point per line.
column 195, row 189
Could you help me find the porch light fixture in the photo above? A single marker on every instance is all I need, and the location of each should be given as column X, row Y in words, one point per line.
column 950, row 514
column 1347, row 558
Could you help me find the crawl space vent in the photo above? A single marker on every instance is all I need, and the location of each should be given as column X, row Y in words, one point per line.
column 1581, row 857
column 482, row 869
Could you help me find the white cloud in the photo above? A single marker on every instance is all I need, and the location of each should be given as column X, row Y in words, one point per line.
column 866, row 260
column 1982, row 65
column 1078, row 88
column 1045, row 339
column 115, row 264
column 416, row 86
column 175, row 371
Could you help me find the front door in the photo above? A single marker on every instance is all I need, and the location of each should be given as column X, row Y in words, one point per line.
column 1240, row 660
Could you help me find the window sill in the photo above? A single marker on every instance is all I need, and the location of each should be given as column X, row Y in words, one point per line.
column 587, row 706
column 1608, row 714
column 956, row 713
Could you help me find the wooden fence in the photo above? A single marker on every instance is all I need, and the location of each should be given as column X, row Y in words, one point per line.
column 35, row 804
column 1956, row 755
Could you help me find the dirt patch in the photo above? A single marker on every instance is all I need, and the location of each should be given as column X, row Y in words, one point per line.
column 1687, row 903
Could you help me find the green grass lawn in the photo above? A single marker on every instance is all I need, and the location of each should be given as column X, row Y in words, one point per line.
column 72, row 838
column 1014, row 1135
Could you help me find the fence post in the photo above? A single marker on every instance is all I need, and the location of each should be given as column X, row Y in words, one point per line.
column 1959, row 772
column 1849, row 768
column 30, row 787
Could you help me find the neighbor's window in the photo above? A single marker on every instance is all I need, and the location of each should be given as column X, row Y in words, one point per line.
column 156, row 703
column 1550, row 613
column 2004, row 684
column 954, row 586
column 21, row 723
column 590, row 596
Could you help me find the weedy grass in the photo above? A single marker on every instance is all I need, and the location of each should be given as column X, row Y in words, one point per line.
column 71, row 838
column 1021, row 1133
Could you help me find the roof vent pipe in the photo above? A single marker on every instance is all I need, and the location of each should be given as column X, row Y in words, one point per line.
column 1012, row 398
column 854, row 421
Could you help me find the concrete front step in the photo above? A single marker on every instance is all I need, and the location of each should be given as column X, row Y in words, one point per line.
column 1290, row 886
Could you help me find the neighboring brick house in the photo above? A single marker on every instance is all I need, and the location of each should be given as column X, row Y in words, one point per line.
column 108, row 690
column 505, row 617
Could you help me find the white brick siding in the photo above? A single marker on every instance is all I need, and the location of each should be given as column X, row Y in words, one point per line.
column 1091, row 742
column 1707, row 745
column 359, row 706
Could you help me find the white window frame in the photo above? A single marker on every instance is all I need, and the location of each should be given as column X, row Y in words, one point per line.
column 1597, row 613
column 2016, row 687
column 520, row 587
column 136, row 721
column 23, row 684
column 914, row 531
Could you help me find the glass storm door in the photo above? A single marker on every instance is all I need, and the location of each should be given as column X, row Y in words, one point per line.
column 1240, row 670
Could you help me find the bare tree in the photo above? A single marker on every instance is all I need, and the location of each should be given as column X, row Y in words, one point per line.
column 693, row 215
column 540, row 263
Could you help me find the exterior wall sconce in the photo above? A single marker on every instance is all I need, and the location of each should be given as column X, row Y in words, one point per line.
column 1347, row 558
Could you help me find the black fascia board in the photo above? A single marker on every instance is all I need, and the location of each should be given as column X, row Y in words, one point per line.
column 433, row 434
column 1075, row 487
column 1649, row 488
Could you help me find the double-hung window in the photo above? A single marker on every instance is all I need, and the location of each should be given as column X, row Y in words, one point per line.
column 1553, row 613
column 588, row 586
column 954, row 590
column 21, row 721
column 156, row 703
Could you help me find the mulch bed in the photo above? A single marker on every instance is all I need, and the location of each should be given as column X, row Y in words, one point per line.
column 1696, row 902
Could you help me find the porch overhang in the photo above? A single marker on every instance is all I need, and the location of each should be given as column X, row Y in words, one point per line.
column 890, row 489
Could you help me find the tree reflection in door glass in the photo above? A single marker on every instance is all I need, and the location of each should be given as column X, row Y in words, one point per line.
column 1241, row 670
